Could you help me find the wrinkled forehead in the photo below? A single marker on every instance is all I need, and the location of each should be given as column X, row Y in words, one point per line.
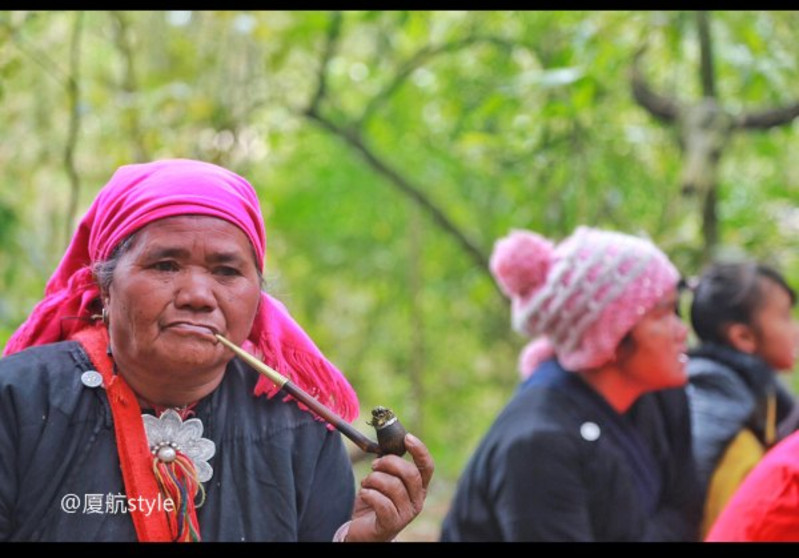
column 187, row 236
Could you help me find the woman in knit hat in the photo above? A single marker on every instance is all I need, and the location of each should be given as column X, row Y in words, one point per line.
column 123, row 418
column 595, row 444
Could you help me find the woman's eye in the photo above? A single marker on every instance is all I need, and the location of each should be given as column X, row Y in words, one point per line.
column 227, row 271
column 165, row 266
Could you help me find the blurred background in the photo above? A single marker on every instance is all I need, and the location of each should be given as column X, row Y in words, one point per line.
column 391, row 149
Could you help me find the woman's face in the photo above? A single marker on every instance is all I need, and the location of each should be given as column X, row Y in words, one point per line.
column 656, row 357
column 182, row 280
column 776, row 331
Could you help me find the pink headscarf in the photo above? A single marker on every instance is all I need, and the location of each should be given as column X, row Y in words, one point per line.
column 139, row 194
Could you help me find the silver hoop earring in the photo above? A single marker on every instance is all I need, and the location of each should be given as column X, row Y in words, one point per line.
column 104, row 315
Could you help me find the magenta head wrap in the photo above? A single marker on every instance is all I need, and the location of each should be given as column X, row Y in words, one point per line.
column 142, row 193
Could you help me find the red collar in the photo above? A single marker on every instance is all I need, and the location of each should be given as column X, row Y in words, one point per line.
column 135, row 458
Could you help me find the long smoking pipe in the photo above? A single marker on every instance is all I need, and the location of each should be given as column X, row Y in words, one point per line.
column 390, row 432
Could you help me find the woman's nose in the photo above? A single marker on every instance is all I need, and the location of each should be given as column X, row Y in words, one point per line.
column 194, row 290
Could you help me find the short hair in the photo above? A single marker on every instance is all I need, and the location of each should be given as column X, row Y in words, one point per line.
column 731, row 293
column 104, row 271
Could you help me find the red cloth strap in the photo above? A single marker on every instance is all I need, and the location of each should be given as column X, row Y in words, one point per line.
column 135, row 458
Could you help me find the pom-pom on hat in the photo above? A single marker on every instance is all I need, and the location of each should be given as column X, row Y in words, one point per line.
column 579, row 298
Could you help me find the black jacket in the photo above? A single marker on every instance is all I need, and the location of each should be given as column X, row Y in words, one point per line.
column 559, row 464
column 728, row 392
column 279, row 475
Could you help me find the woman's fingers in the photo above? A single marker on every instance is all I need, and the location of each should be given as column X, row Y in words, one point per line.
column 387, row 519
column 392, row 494
column 421, row 457
column 394, row 488
column 407, row 476
column 414, row 477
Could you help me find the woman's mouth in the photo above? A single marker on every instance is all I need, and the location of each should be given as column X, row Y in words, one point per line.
column 193, row 329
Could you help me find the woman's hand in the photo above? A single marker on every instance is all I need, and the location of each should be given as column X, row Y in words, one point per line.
column 392, row 494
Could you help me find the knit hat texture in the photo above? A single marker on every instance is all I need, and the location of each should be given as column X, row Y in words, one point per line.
column 580, row 298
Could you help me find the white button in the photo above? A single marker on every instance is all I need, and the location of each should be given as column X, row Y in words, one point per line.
column 590, row 431
column 91, row 378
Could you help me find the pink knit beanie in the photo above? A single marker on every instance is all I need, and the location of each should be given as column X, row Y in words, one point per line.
column 580, row 298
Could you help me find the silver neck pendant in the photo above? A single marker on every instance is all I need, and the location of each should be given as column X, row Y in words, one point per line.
column 170, row 434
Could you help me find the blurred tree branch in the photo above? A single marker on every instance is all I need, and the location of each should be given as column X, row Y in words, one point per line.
column 419, row 58
column 417, row 357
column 661, row 107
column 768, row 118
column 73, row 95
column 706, row 69
column 39, row 57
column 331, row 40
column 351, row 134
column 129, row 85
column 704, row 129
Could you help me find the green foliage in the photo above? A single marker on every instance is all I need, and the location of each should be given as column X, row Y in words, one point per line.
column 500, row 119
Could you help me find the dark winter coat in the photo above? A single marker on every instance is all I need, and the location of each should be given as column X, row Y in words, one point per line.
column 279, row 474
column 560, row 464
column 727, row 392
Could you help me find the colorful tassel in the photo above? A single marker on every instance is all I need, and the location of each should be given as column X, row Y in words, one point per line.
column 178, row 482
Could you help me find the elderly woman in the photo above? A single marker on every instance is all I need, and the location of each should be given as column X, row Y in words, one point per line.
column 123, row 418
column 595, row 445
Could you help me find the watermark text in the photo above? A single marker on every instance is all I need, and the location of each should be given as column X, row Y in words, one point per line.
column 114, row 504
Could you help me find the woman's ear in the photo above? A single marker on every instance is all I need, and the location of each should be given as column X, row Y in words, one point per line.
column 741, row 337
column 624, row 349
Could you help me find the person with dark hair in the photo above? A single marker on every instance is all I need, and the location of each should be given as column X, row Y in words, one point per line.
column 595, row 445
column 741, row 314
